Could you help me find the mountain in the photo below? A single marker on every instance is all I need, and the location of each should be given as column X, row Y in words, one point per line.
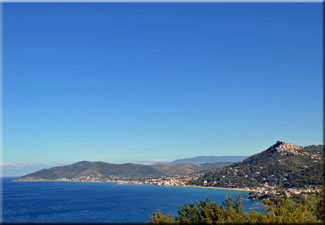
column 104, row 170
column 209, row 159
column 283, row 164
column 94, row 169
column 188, row 168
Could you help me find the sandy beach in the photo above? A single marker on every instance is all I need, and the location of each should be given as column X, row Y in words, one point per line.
column 195, row 186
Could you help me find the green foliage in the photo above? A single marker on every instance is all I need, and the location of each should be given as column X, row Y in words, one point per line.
column 283, row 211
column 208, row 212
column 320, row 209
column 158, row 218
column 310, row 200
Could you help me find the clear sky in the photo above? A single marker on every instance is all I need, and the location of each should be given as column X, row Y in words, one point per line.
column 122, row 82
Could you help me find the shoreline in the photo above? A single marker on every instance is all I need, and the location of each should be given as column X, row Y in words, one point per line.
column 193, row 186
column 224, row 188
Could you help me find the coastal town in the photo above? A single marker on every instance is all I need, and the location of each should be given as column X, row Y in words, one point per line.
column 257, row 193
column 165, row 180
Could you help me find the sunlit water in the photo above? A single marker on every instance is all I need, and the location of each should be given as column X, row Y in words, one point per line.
column 58, row 202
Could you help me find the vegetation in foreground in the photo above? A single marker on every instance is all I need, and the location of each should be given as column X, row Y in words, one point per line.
column 296, row 209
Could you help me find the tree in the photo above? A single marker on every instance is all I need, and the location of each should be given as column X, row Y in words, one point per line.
column 284, row 211
column 320, row 210
column 158, row 218
column 280, row 213
column 207, row 212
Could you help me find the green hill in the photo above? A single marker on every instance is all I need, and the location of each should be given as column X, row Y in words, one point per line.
column 188, row 168
column 283, row 164
column 94, row 169
column 108, row 170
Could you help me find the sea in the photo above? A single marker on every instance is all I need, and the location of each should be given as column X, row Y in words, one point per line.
column 83, row 202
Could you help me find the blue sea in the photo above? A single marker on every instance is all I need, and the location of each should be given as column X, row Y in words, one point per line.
column 73, row 202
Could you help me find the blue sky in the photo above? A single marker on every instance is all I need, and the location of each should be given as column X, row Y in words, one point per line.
column 125, row 82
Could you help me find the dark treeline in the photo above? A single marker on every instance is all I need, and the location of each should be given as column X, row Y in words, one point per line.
column 296, row 209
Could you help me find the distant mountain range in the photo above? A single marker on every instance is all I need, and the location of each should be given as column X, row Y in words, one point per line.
column 109, row 170
column 208, row 159
column 283, row 164
column 19, row 169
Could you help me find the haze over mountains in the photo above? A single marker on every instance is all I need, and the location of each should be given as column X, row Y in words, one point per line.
column 193, row 160
column 20, row 169
column 209, row 159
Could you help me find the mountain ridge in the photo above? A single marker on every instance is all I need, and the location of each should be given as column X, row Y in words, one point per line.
column 207, row 159
column 282, row 164
column 105, row 170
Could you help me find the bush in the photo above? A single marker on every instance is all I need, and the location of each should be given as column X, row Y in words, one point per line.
column 284, row 211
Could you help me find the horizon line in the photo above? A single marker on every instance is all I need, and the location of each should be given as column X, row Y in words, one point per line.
column 163, row 1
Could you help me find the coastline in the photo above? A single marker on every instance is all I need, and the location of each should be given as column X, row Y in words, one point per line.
column 224, row 188
column 193, row 186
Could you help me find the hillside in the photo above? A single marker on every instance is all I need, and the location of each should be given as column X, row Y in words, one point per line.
column 93, row 169
column 104, row 170
column 187, row 168
column 282, row 164
column 208, row 159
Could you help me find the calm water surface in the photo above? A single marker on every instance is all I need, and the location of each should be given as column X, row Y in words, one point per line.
column 101, row 202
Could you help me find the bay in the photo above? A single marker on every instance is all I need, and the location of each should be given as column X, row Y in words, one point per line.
column 75, row 202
